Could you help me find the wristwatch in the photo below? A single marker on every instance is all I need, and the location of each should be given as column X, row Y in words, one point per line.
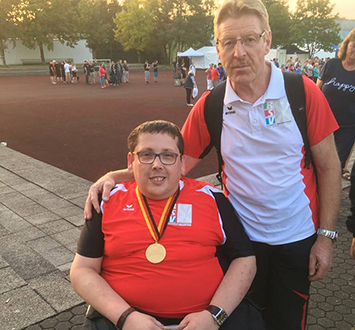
column 219, row 315
column 332, row 234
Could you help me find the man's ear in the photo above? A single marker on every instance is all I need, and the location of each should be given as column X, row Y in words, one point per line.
column 183, row 167
column 130, row 162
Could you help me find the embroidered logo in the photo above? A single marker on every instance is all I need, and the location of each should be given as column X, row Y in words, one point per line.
column 128, row 208
column 230, row 110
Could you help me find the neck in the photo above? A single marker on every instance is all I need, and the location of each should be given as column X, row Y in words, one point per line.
column 255, row 89
column 348, row 65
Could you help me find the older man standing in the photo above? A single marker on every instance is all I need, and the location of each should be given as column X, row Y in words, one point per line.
column 288, row 210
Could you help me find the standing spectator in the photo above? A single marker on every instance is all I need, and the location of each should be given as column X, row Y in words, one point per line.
column 174, row 67
column 58, row 72
column 276, row 62
column 192, row 68
column 146, row 67
column 183, row 71
column 114, row 71
column 155, row 70
column 67, row 72
column 120, row 72
column 74, row 72
column 214, row 76
column 102, row 72
column 209, row 77
column 86, row 69
column 337, row 81
column 126, row 71
column 52, row 72
column 315, row 72
column 190, row 83
column 221, row 73
column 62, row 72
column 96, row 72
column 91, row 72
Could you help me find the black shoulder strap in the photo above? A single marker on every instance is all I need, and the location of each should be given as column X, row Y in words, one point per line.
column 213, row 112
column 297, row 98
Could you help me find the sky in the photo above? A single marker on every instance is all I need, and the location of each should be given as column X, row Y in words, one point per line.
column 345, row 8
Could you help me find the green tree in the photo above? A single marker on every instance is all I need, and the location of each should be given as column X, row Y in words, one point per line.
column 164, row 25
column 280, row 22
column 41, row 21
column 96, row 24
column 7, row 27
column 314, row 27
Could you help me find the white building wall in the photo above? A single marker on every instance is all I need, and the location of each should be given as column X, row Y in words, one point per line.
column 20, row 54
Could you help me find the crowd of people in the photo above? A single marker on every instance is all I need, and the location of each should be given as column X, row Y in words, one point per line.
column 63, row 72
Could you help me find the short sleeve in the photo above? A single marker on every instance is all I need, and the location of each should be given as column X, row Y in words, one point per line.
column 91, row 241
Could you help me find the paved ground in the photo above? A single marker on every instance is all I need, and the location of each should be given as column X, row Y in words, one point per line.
column 40, row 219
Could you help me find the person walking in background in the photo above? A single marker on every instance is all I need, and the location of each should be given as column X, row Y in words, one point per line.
column 74, row 72
column 126, row 71
column 114, row 71
column 120, row 72
column 337, row 81
column 146, row 67
column 315, row 71
column 183, row 71
column 214, row 76
column 102, row 72
column 192, row 68
column 155, row 71
column 221, row 73
column 190, row 83
column 209, row 77
column 86, row 72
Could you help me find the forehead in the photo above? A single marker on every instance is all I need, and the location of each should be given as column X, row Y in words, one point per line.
column 245, row 24
column 157, row 142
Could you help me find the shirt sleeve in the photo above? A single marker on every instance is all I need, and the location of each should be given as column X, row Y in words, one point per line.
column 91, row 241
column 320, row 119
column 237, row 244
column 195, row 132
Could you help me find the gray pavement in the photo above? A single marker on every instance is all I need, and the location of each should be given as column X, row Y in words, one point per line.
column 40, row 219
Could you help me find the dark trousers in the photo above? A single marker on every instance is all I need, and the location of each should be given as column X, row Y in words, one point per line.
column 281, row 286
column 344, row 140
column 188, row 95
column 87, row 76
column 244, row 317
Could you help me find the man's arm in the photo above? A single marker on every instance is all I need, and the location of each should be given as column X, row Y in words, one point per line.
column 105, row 184
column 86, row 281
column 229, row 294
column 320, row 83
column 328, row 171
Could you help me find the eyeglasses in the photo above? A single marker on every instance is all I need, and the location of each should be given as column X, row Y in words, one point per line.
column 250, row 40
column 148, row 157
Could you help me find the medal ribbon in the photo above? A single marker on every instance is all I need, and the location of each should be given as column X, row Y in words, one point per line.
column 157, row 233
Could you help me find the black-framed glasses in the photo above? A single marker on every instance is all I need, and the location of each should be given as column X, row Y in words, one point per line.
column 148, row 157
column 249, row 40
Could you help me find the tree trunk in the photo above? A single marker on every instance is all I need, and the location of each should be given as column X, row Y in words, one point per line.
column 2, row 51
column 41, row 51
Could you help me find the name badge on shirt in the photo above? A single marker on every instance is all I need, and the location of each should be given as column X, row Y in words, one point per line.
column 277, row 112
column 181, row 215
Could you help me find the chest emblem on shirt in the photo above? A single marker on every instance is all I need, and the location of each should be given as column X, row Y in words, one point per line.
column 181, row 215
column 128, row 208
column 230, row 110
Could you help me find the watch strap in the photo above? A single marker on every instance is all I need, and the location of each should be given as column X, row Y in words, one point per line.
column 219, row 315
column 332, row 234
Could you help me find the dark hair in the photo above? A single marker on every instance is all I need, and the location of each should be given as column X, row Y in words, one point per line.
column 156, row 127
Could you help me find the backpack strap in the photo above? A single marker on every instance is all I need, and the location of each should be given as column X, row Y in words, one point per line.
column 213, row 112
column 297, row 98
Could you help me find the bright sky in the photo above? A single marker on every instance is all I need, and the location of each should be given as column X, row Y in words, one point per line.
column 345, row 8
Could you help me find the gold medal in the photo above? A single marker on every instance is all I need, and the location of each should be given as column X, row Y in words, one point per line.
column 155, row 253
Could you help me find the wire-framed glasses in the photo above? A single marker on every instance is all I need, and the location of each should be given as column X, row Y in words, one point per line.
column 249, row 40
column 148, row 157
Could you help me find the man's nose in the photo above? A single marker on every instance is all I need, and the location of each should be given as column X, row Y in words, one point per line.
column 239, row 49
column 157, row 162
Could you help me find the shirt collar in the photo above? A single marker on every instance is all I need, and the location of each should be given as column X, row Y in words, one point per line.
column 275, row 89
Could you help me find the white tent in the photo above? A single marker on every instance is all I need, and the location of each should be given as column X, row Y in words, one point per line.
column 190, row 53
column 209, row 56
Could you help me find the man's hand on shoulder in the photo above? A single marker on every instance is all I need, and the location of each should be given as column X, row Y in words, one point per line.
column 104, row 186
column 199, row 321
column 138, row 321
column 320, row 259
